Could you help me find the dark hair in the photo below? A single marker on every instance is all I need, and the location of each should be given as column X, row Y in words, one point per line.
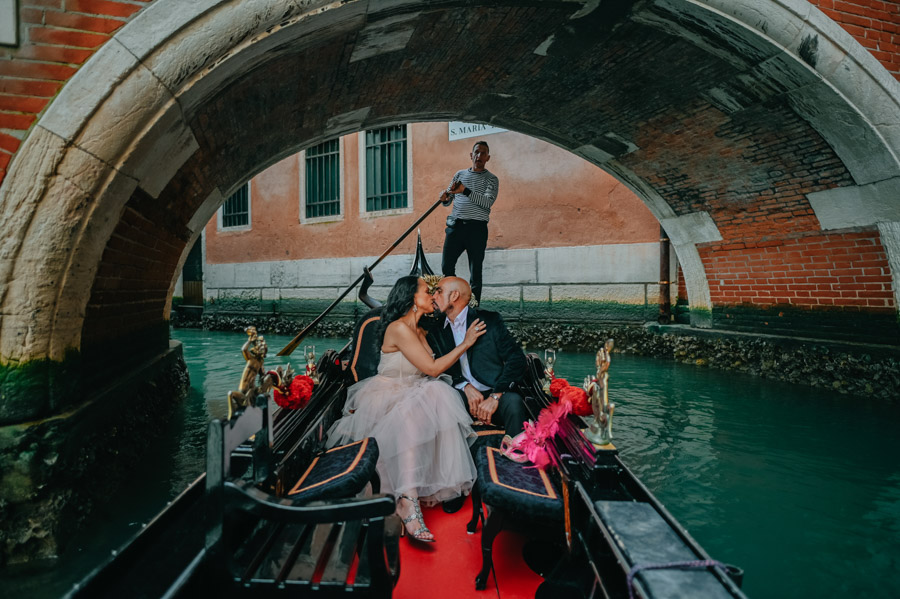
column 481, row 143
column 399, row 302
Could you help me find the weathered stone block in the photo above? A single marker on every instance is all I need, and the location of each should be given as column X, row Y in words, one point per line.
column 624, row 294
column 325, row 272
column 252, row 274
column 510, row 293
column 536, row 293
column 618, row 263
column 284, row 274
column 507, row 267
column 219, row 276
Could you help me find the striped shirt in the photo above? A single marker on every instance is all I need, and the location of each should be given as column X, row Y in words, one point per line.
column 484, row 188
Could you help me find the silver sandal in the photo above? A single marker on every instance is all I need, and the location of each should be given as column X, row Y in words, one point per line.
column 417, row 515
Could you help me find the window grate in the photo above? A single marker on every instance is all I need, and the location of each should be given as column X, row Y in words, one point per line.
column 236, row 209
column 386, row 169
column 323, row 184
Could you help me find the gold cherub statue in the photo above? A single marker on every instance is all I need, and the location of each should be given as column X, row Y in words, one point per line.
column 254, row 351
column 600, row 430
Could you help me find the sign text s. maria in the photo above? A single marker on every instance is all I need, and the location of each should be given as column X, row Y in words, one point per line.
column 460, row 130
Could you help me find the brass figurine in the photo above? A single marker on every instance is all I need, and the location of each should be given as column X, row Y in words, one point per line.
column 600, row 430
column 549, row 374
column 254, row 351
column 311, row 371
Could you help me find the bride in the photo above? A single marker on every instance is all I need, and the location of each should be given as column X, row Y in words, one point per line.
column 421, row 427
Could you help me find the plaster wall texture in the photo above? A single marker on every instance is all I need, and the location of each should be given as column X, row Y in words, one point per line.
column 548, row 197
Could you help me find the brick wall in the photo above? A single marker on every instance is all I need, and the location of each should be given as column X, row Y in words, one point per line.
column 56, row 37
column 132, row 283
column 875, row 24
column 840, row 270
column 781, row 159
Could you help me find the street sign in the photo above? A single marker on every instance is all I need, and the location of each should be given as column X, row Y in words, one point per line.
column 460, row 130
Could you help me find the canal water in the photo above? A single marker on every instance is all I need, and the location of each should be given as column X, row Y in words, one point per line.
column 798, row 486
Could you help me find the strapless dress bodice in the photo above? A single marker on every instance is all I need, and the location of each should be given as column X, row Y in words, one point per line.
column 395, row 365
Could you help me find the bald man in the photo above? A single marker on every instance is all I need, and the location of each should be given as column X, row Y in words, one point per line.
column 485, row 374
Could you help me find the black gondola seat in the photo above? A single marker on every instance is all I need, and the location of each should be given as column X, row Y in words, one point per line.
column 260, row 543
column 514, row 490
column 296, row 463
column 339, row 472
column 510, row 490
column 365, row 351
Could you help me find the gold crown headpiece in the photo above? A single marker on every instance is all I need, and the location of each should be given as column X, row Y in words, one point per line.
column 432, row 281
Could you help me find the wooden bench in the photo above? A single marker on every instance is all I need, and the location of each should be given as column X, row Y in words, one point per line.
column 258, row 542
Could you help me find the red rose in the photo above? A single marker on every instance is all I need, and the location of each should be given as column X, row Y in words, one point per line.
column 578, row 397
column 557, row 386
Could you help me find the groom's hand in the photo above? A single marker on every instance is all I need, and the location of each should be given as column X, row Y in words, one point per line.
column 474, row 397
column 487, row 407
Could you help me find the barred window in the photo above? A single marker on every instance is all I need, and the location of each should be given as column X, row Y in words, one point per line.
column 236, row 209
column 386, row 168
column 323, row 180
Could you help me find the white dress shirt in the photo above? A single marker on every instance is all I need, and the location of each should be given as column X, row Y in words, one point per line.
column 458, row 326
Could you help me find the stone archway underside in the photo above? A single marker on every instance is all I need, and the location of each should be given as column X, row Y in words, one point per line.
column 758, row 132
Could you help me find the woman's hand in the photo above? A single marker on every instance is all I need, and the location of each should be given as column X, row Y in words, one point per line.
column 476, row 330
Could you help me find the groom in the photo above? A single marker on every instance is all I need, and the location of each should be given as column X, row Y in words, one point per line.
column 483, row 375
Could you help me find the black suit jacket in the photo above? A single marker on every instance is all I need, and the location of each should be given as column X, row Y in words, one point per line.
column 496, row 359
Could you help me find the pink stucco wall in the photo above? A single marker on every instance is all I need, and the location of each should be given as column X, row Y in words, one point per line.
column 574, row 203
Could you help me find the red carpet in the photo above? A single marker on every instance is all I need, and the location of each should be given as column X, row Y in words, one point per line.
column 447, row 567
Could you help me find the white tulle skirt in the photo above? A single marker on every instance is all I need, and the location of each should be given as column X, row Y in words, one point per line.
column 423, row 434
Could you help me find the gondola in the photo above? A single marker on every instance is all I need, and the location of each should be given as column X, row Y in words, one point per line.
column 615, row 539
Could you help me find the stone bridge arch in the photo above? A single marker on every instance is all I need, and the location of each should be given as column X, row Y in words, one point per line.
column 759, row 132
column 754, row 130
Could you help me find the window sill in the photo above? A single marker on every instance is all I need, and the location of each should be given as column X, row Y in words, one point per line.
column 322, row 219
column 392, row 212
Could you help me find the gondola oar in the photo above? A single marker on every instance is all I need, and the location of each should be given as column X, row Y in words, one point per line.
column 290, row 347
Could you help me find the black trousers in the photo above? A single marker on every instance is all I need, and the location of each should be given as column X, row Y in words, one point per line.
column 469, row 236
column 511, row 412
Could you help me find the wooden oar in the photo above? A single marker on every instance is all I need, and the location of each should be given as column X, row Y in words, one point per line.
column 290, row 347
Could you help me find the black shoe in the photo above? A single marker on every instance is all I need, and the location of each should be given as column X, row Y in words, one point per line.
column 451, row 506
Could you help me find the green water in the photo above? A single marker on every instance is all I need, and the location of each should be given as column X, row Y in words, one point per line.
column 800, row 487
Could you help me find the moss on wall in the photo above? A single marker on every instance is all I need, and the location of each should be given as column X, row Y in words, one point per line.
column 53, row 471
column 40, row 387
column 827, row 322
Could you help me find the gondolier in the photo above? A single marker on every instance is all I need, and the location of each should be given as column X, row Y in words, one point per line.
column 473, row 191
